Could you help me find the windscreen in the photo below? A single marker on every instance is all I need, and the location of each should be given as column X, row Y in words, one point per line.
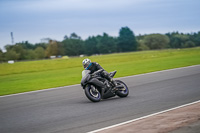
column 85, row 72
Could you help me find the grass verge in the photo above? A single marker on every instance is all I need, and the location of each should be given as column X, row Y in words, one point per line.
column 36, row 75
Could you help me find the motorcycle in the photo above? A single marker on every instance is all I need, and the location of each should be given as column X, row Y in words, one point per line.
column 95, row 92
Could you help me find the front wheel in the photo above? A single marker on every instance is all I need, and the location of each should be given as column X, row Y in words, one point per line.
column 92, row 93
column 123, row 91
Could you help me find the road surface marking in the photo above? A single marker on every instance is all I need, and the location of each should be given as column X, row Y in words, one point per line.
column 62, row 87
column 130, row 121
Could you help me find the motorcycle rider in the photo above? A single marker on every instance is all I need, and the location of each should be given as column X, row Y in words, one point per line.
column 94, row 66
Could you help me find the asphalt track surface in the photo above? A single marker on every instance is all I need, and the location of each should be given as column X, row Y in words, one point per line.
column 67, row 110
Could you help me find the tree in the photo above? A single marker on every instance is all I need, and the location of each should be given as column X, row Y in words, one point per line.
column 8, row 47
column 73, row 46
column 142, row 46
column 90, row 46
column 156, row 41
column 26, row 45
column 30, row 54
column 106, row 44
column 1, row 55
column 189, row 44
column 52, row 49
column 195, row 37
column 18, row 49
column 126, row 40
column 180, row 40
column 43, row 45
column 74, row 36
column 12, row 55
column 61, row 50
column 40, row 53
column 66, row 37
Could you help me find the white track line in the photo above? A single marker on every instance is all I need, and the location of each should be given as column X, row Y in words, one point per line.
column 38, row 91
column 167, row 70
column 79, row 84
column 113, row 126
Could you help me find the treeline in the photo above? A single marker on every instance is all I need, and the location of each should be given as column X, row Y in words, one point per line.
column 100, row 44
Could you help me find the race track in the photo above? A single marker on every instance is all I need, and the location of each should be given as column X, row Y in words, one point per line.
column 67, row 110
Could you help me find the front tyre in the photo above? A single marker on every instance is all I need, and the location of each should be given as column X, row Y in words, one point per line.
column 92, row 93
column 122, row 92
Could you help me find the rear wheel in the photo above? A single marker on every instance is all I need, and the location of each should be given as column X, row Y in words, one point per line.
column 92, row 93
column 122, row 92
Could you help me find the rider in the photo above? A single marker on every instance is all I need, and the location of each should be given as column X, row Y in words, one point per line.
column 94, row 66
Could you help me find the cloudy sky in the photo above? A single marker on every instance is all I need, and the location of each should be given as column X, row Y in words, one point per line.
column 33, row 20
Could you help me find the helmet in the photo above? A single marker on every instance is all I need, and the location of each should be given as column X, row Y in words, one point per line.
column 86, row 63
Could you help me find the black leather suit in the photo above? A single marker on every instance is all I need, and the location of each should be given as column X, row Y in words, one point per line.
column 94, row 66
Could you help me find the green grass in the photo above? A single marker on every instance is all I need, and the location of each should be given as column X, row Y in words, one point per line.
column 36, row 75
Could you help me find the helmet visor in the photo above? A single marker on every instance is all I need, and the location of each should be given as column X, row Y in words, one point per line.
column 86, row 65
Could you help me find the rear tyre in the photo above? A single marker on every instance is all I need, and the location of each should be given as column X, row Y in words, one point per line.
column 122, row 92
column 92, row 93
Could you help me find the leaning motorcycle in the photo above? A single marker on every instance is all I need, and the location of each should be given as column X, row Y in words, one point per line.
column 96, row 93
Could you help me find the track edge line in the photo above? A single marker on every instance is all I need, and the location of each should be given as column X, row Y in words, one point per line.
column 140, row 118
column 42, row 90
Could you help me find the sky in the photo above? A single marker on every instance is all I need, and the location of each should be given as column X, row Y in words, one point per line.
column 33, row 20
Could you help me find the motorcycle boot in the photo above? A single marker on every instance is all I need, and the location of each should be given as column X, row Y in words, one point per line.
column 110, row 79
column 114, row 84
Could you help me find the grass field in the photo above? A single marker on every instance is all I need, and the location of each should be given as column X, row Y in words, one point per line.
column 36, row 75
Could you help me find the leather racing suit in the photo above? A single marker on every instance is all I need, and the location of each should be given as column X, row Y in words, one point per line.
column 94, row 66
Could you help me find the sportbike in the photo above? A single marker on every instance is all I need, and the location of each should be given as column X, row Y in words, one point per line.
column 95, row 93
